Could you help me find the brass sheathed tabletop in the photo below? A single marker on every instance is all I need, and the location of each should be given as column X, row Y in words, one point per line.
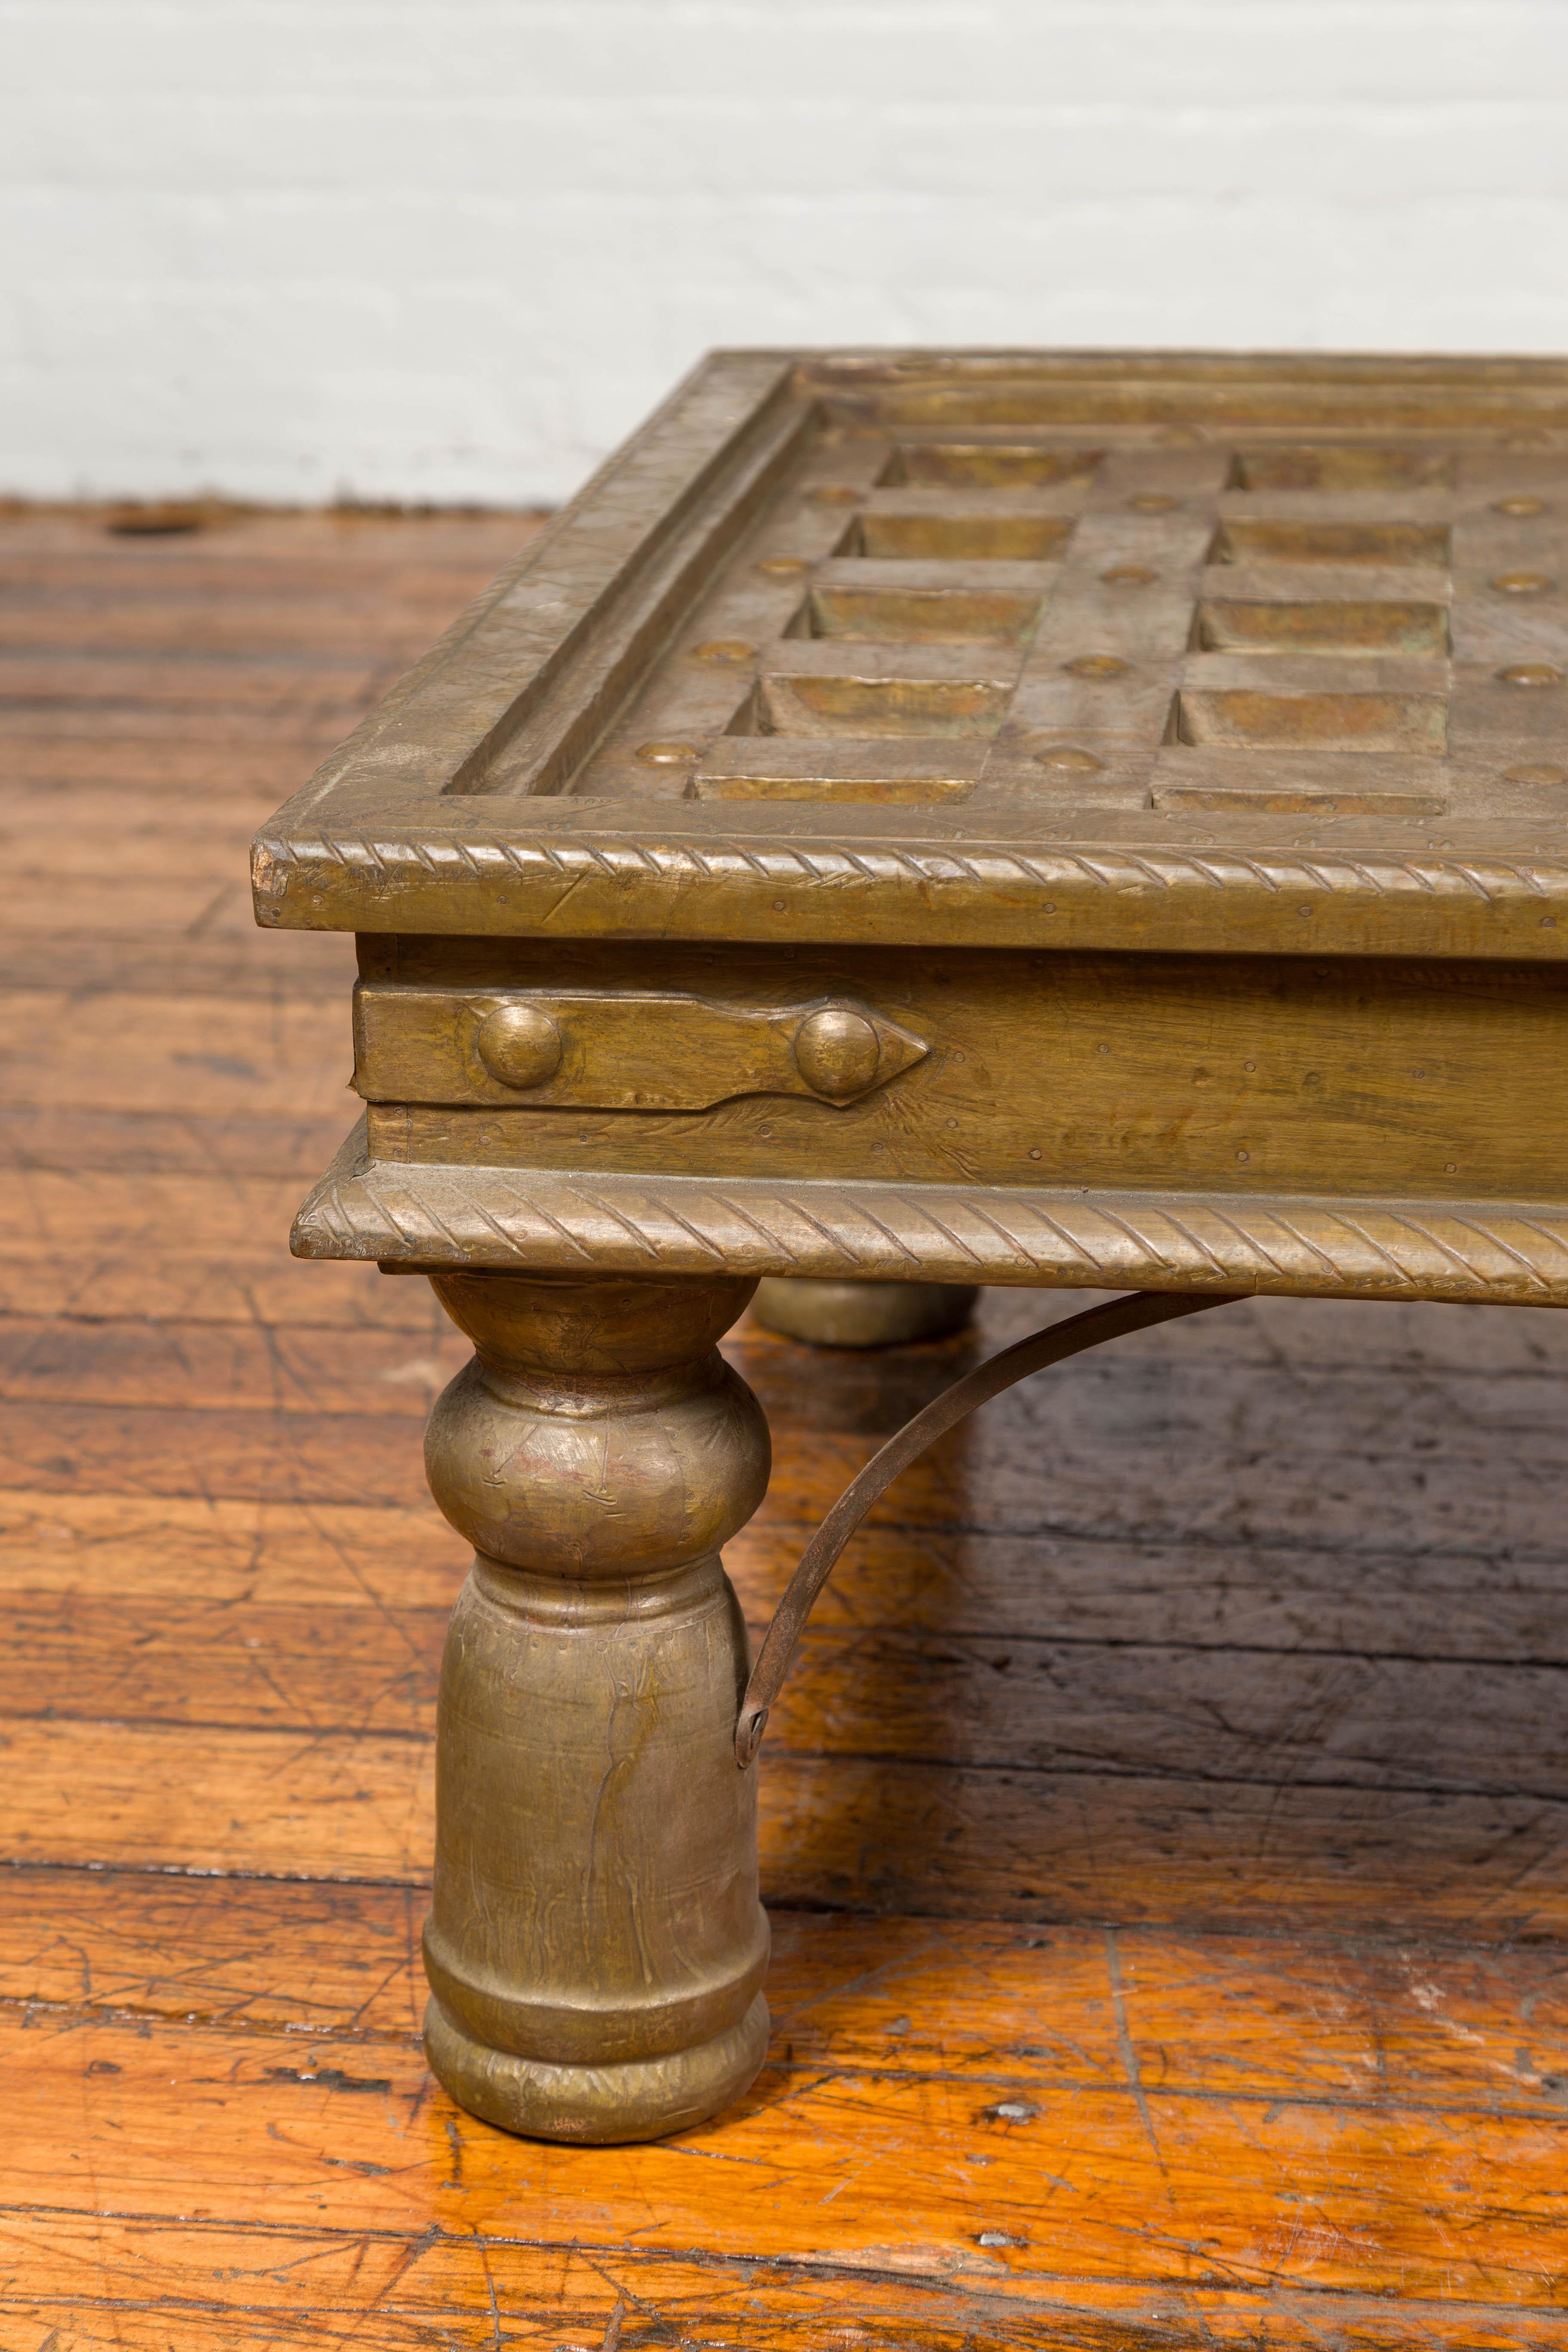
column 1053, row 819
column 1170, row 753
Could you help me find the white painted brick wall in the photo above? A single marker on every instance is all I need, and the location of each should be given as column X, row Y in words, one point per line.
column 452, row 248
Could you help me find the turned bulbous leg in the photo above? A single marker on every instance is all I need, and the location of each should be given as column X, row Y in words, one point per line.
column 595, row 1948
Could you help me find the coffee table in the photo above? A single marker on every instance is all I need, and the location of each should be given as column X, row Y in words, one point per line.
column 1078, row 820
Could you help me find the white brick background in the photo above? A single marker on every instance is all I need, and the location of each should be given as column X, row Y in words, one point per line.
column 450, row 249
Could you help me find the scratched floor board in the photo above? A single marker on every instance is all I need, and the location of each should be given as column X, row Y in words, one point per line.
column 1142, row 1409
column 1282, row 1470
column 52, row 761
column 1167, row 1832
column 139, row 2285
column 156, row 834
column 252, row 1281
column 153, row 1053
column 199, row 908
column 183, row 2121
column 212, row 1548
column 841, row 1833
column 1272, row 2016
column 200, row 1548
column 1202, row 2027
column 106, row 676
column 1141, row 1709
column 274, row 629
column 107, row 962
column 252, row 544
column 71, row 1136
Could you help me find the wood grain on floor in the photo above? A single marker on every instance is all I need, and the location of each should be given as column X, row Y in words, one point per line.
column 1166, row 1828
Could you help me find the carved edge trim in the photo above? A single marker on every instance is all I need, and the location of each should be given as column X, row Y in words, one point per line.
column 381, row 860
column 401, row 1213
column 1510, row 901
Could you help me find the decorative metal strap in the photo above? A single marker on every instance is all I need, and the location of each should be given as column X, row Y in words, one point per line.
column 1042, row 1349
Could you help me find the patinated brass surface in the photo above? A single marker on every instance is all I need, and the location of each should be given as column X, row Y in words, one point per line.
column 931, row 818
column 863, row 1314
column 595, row 1948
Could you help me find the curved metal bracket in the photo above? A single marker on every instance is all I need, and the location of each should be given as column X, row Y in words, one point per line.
column 1040, row 1350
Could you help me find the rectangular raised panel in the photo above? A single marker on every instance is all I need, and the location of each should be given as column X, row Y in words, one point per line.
column 994, row 465
column 1342, row 469
column 942, row 603
column 1300, row 801
column 1336, row 628
column 848, row 703
column 1241, row 540
column 961, row 538
column 1240, row 718
column 890, row 770
column 813, row 687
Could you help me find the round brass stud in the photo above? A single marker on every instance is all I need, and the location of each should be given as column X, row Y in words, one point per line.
column 784, row 567
column 518, row 1044
column 1129, row 576
column 836, row 1051
column 1536, row 776
column 1531, row 674
column 1097, row 665
column 1518, row 505
column 1153, row 502
column 666, row 755
column 1069, row 756
column 723, row 649
column 1522, row 583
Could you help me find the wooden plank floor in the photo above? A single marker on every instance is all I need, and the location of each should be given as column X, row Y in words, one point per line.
column 1166, row 1829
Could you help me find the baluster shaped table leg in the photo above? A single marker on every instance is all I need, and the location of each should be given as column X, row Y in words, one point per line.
column 595, row 1948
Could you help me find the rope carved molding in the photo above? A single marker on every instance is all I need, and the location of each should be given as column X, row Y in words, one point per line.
column 284, row 864
column 401, row 1213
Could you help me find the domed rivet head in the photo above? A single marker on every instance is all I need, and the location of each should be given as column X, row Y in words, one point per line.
column 836, row 1051
column 666, row 755
column 1520, row 506
column 1531, row 674
column 1522, row 583
column 1097, row 665
column 723, row 649
column 519, row 1045
column 1069, row 756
